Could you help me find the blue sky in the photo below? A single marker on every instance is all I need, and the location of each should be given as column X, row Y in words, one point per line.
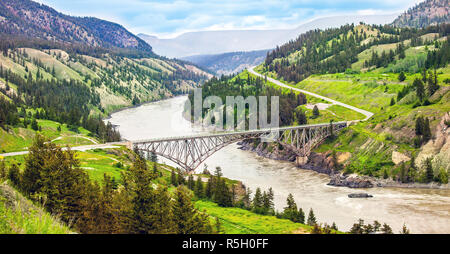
column 170, row 18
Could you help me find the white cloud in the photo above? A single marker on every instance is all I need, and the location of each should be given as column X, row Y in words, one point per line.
column 172, row 17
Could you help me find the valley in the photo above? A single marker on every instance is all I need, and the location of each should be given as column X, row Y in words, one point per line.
column 97, row 124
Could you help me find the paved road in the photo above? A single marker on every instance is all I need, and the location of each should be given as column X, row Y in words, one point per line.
column 278, row 83
column 76, row 148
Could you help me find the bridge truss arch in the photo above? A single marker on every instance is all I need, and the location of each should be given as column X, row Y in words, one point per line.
column 191, row 151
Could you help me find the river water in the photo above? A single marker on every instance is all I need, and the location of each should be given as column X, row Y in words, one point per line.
column 422, row 210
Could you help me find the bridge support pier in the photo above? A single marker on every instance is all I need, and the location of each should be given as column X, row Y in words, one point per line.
column 301, row 160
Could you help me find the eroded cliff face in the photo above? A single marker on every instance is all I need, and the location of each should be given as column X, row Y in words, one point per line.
column 437, row 148
column 274, row 151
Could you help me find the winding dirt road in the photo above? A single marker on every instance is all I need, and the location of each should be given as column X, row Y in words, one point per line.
column 278, row 83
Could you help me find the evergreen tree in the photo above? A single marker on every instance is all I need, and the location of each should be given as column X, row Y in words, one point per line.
column 291, row 212
column 386, row 229
column 426, row 129
column 392, row 101
column 187, row 219
column 173, row 178
column 268, row 202
column 34, row 124
column 190, row 183
column 301, row 216
column 316, row 112
column 401, row 76
column 198, row 191
column 14, row 175
column 155, row 169
column 208, row 188
column 429, row 175
column 180, row 177
column 2, row 170
column 311, row 218
column 405, row 230
column 246, row 199
column 150, row 210
column 257, row 202
column 420, row 90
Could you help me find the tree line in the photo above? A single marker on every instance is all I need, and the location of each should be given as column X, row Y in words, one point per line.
column 249, row 86
column 52, row 177
column 336, row 49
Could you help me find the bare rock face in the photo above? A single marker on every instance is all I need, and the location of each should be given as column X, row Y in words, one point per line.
column 438, row 148
column 359, row 195
column 398, row 157
column 272, row 151
column 351, row 181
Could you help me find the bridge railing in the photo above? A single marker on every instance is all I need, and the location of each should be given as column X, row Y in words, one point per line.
column 230, row 133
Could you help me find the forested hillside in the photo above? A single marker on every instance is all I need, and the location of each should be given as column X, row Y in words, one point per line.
column 401, row 75
column 430, row 12
column 228, row 63
column 75, row 70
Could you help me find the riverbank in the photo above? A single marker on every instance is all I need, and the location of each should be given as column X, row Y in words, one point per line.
column 323, row 163
column 108, row 117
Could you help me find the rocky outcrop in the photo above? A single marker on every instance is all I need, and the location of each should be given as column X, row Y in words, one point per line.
column 398, row 157
column 438, row 148
column 351, row 181
column 359, row 195
column 272, row 151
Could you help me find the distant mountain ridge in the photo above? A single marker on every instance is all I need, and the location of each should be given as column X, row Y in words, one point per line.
column 35, row 20
column 430, row 12
column 228, row 63
column 218, row 42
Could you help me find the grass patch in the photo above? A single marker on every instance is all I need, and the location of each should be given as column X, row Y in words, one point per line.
column 240, row 221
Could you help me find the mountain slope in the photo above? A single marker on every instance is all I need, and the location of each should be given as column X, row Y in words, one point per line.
column 402, row 75
column 33, row 20
column 427, row 13
column 217, row 42
column 228, row 63
column 75, row 71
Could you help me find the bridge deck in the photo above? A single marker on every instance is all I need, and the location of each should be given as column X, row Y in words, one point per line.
column 219, row 134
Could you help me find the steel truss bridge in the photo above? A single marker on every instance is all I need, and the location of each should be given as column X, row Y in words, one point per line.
column 190, row 151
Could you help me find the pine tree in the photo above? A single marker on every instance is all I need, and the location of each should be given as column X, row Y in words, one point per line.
column 198, row 190
column 316, row 112
column 268, row 201
column 173, row 178
column 405, row 230
column 34, row 124
column 311, row 218
column 208, row 188
column 246, row 199
column 150, row 210
column 155, row 169
column 187, row 219
column 180, row 177
column 14, row 175
column 301, row 216
column 334, row 227
column 429, row 175
column 426, row 129
column 291, row 212
column 257, row 201
column 401, row 77
column 386, row 229
column 392, row 101
column 420, row 90
column 2, row 170
column 190, row 183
